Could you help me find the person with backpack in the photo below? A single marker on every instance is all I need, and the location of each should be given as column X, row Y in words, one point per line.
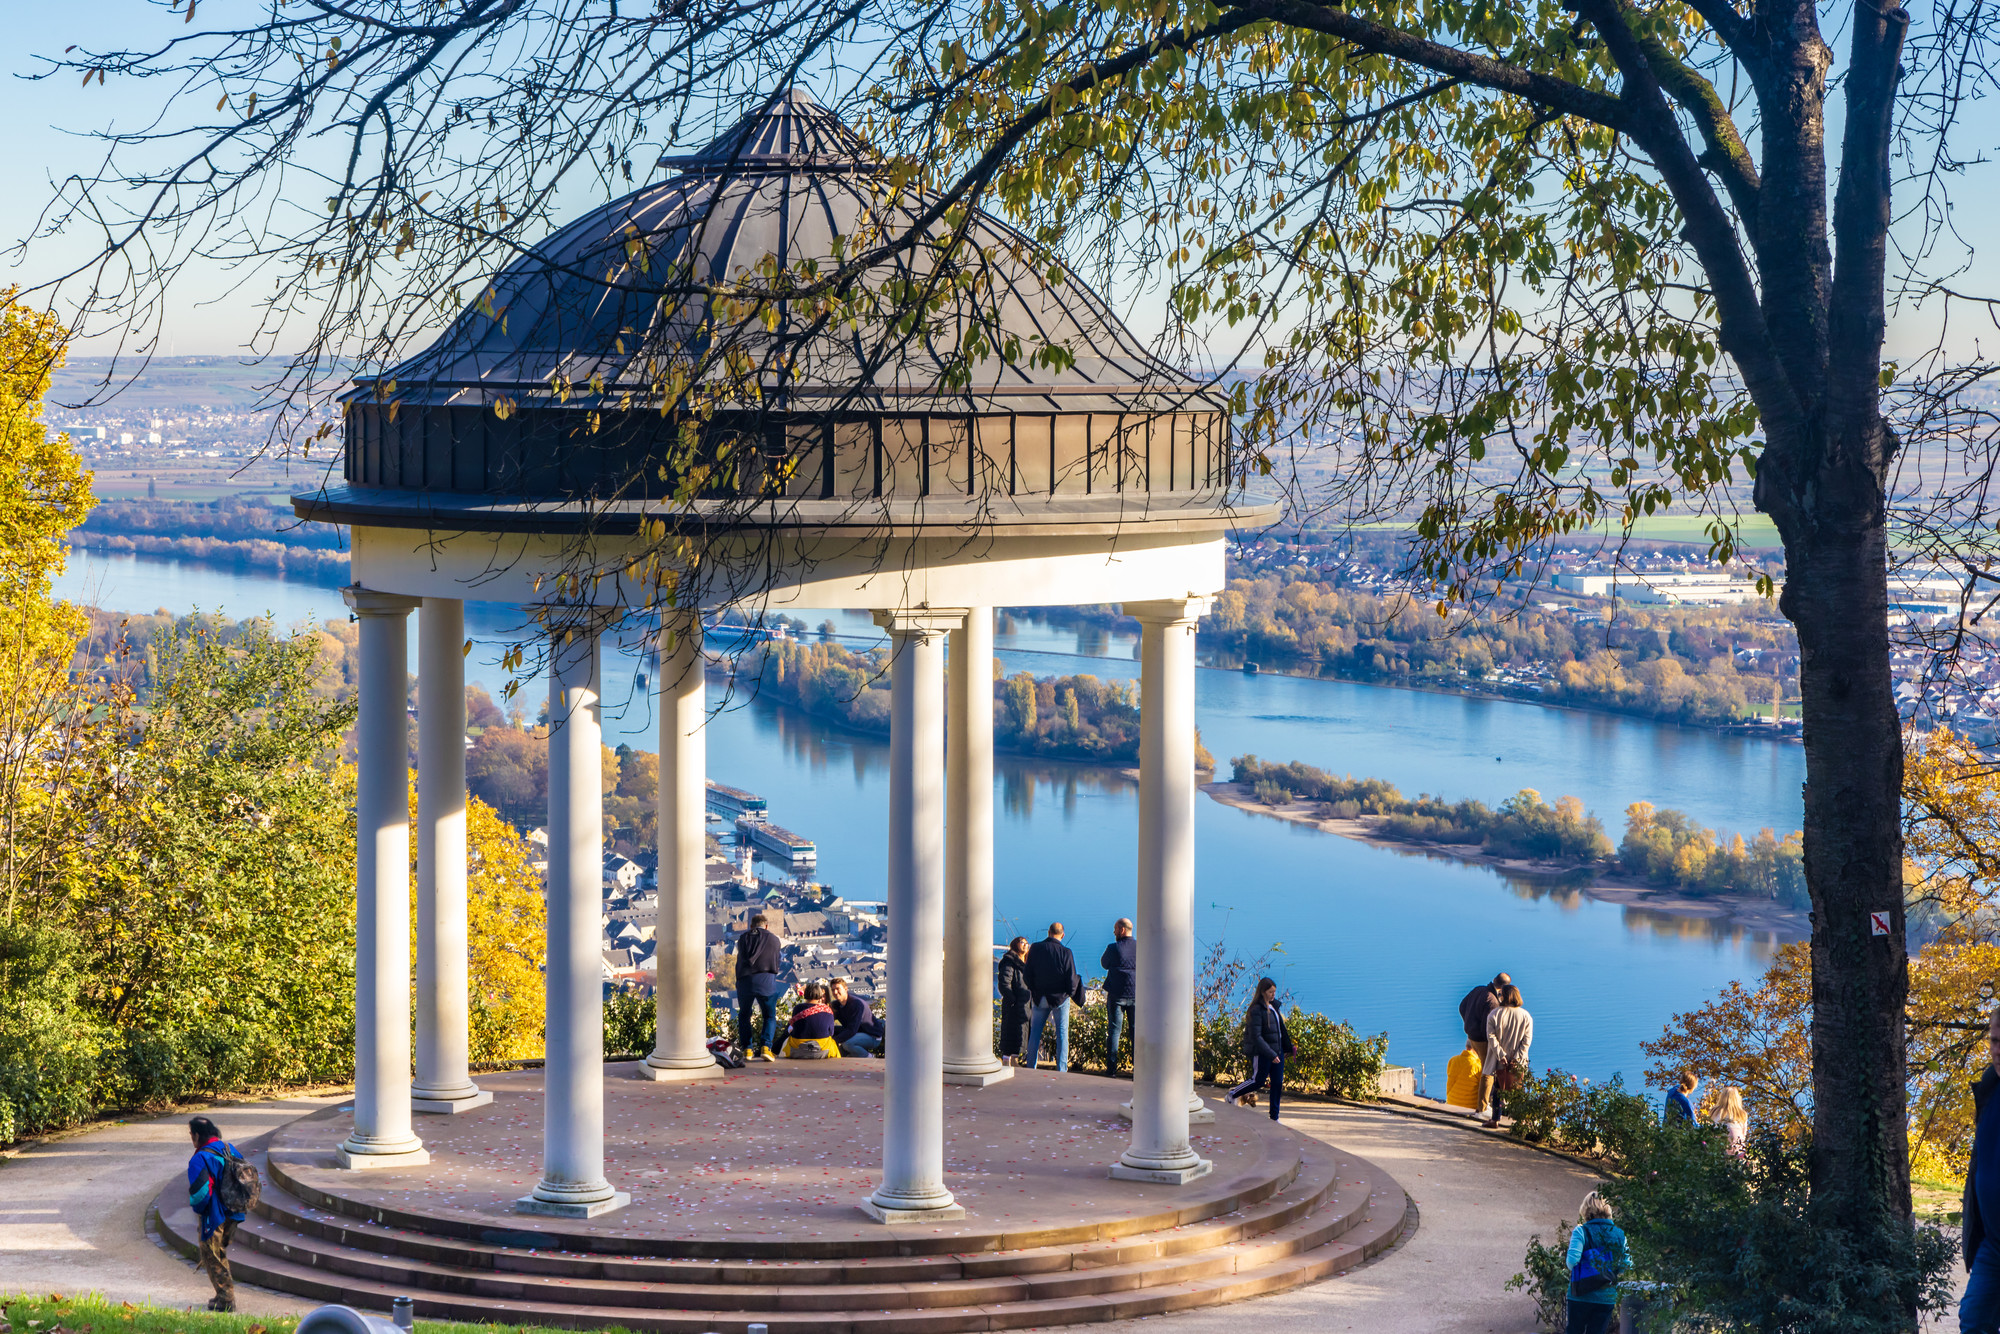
column 222, row 1189
column 1598, row 1258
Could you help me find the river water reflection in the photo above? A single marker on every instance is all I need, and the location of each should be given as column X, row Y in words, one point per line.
column 1386, row 940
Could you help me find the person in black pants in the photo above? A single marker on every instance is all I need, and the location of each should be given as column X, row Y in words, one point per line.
column 1266, row 1042
column 1015, row 998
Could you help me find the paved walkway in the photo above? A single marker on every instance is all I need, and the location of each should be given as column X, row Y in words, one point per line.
column 72, row 1220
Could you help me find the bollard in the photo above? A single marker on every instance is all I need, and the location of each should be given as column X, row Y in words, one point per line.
column 345, row 1320
column 404, row 1312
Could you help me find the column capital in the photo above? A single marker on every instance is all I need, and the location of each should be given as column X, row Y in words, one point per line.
column 924, row 621
column 1170, row 611
column 368, row 602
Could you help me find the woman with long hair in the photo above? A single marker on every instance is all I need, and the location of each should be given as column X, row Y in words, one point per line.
column 1510, row 1031
column 1734, row 1119
column 1015, row 998
column 1266, row 1042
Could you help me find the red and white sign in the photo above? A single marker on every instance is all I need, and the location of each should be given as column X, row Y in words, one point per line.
column 1878, row 924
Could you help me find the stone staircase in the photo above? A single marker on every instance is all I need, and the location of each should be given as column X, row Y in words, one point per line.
column 1325, row 1213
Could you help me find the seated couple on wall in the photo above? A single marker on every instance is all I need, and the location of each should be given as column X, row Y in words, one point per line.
column 832, row 1022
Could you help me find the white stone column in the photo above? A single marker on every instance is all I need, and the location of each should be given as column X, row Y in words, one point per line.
column 443, row 1084
column 968, row 858
column 912, row 1188
column 680, row 939
column 573, row 1184
column 1163, row 1019
column 382, row 1135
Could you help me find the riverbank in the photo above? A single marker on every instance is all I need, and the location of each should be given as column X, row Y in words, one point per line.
column 1787, row 924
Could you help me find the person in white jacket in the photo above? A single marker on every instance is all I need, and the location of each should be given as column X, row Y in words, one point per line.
column 1510, row 1029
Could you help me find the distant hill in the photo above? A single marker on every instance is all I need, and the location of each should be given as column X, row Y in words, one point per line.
column 167, row 382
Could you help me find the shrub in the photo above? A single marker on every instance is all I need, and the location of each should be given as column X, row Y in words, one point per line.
column 630, row 1023
column 1545, row 1275
column 1274, row 794
column 1332, row 1057
column 1563, row 1111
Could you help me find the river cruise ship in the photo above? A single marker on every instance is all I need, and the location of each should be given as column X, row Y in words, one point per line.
column 782, row 843
column 734, row 803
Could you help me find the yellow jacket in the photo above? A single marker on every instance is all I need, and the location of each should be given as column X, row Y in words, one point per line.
column 1461, row 1080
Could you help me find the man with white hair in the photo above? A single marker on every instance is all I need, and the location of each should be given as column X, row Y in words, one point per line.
column 1121, row 969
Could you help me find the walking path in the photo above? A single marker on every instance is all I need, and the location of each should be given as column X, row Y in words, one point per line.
column 72, row 1220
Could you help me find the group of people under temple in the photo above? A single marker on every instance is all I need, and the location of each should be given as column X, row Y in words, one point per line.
column 1498, row 1033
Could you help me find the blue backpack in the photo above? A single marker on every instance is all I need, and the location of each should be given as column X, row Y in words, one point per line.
column 1597, row 1268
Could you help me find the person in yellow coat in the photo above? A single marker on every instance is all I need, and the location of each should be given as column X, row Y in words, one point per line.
column 810, row 1034
column 1461, row 1079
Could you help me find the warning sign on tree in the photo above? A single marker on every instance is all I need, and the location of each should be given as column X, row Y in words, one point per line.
column 1878, row 923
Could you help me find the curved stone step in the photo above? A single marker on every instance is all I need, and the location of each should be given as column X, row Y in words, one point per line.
column 1363, row 1217
column 285, row 1231
column 1302, row 1190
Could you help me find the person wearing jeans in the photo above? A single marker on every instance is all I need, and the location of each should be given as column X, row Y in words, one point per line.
column 1266, row 1042
column 1979, row 1308
column 759, row 958
column 1054, row 982
column 1121, row 967
column 857, row 1031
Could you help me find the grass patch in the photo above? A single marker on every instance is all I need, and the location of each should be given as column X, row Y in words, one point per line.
column 1934, row 1199
column 57, row 1313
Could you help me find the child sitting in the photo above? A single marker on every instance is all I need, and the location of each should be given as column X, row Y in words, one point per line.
column 810, row 1034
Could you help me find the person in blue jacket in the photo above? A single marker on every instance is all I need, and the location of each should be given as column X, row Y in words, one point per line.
column 218, row 1226
column 1680, row 1102
column 1120, row 963
column 1979, row 1308
column 1593, row 1293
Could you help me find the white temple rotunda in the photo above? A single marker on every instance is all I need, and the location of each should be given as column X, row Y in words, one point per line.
column 526, row 444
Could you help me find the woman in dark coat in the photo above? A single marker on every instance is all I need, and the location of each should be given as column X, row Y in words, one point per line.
column 1266, row 1042
column 1015, row 999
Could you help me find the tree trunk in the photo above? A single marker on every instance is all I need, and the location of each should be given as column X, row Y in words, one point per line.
column 1836, row 595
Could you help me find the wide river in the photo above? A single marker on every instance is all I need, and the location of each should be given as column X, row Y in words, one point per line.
column 1385, row 940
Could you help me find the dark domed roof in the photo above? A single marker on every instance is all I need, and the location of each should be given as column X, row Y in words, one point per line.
column 789, row 184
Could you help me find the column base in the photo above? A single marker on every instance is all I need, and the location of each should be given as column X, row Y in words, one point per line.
column 1166, row 1176
column 1199, row 1112
column 944, row 1214
column 677, row 1074
column 978, row 1079
column 529, row 1204
column 450, row 1106
column 362, row 1160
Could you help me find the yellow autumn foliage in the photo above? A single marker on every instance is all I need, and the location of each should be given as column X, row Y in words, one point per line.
column 1759, row 1038
column 506, row 920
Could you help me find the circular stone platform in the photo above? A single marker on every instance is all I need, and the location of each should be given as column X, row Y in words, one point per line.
column 775, row 1159
column 745, row 1210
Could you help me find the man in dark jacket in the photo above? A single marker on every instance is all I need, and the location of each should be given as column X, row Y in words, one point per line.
column 1054, row 982
column 1475, row 1007
column 1979, row 1309
column 1121, row 967
column 759, row 960
column 856, row 1030
column 218, row 1225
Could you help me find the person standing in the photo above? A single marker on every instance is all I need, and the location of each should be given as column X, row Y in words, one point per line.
column 1979, row 1308
column 1266, row 1041
column 1121, row 968
column 1054, row 982
column 1479, row 1003
column 1510, row 1030
column 1679, row 1110
column 1598, row 1256
column 218, row 1223
column 759, row 960
column 1015, row 999
column 1734, row 1119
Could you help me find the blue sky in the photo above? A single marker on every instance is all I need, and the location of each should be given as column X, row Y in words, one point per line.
column 44, row 120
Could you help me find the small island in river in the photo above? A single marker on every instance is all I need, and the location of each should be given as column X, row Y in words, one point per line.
column 1596, row 879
